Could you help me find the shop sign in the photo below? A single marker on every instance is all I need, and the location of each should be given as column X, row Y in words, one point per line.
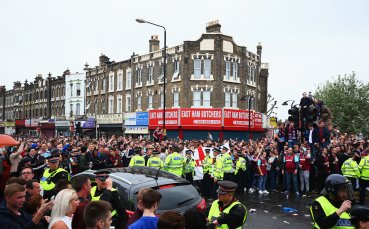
column 62, row 123
column 109, row 119
column 31, row 122
column 89, row 123
column 237, row 118
column 130, row 119
column 156, row 117
column 2, row 124
column 9, row 124
column 201, row 117
column 258, row 120
column 142, row 118
column 136, row 130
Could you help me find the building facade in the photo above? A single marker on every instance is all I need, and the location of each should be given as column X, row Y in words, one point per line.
column 209, row 73
column 74, row 95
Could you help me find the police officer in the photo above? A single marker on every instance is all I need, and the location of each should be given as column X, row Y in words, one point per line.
column 227, row 164
column 189, row 166
column 331, row 209
column 174, row 162
column 364, row 177
column 360, row 217
column 104, row 191
column 137, row 159
column 218, row 171
column 52, row 174
column 240, row 172
column 154, row 160
column 350, row 169
column 207, row 168
column 227, row 211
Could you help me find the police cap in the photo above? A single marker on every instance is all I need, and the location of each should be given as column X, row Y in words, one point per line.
column 226, row 187
column 155, row 152
column 54, row 156
column 207, row 150
column 359, row 213
column 176, row 148
column 102, row 175
column 217, row 150
column 225, row 148
column 189, row 151
column 137, row 150
column 239, row 153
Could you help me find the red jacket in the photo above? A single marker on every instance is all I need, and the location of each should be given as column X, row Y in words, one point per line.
column 304, row 162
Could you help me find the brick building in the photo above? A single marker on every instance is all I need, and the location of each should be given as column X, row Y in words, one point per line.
column 211, row 72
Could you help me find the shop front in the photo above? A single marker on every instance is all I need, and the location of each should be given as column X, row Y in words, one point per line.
column 9, row 128
column 109, row 124
column 62, row 128
column 136, row 124
column 47, row 128
column 31, row 125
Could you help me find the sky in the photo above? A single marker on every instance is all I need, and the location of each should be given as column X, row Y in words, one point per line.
column 305, row 42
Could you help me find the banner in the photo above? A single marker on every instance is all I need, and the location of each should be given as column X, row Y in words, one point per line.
column 156, row 118
column 258, row 121
column 210, row 118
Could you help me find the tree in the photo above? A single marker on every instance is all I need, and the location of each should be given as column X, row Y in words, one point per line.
column 348, row 99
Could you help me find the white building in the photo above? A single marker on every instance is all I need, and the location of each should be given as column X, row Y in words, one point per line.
column 75, row 95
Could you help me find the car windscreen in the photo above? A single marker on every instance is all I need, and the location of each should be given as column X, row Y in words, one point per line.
column 176, row 196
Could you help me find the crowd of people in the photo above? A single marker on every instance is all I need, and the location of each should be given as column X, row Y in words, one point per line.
column 35, row 175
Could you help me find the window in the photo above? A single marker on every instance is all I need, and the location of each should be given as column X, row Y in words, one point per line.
column 150, row 101
column 103, row 86
column 252, row 74
column 207, row 68
column 197, row 68
column 161, row 77
column 111, row 82
column 161, row 100
column 138, row 102
column 176, row 70
column 111, row 105
column 227, row 99
column 228, row 69
column 150, row 76
column 251, row 105
column 176, row 99
column 234, row 100
column 128, row 103
column 119, row 104
column 96, row 86
column 139, row 77
column 235, row 70
column 78, row 86
column 197, row 98
column 71, row 109
column 120, row 81
column 201, row 99
column 95, row 107
column 128, row 78
column 78, row 109
column 71, row 90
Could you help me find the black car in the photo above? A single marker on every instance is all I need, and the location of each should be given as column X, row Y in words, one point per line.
column 177, row 193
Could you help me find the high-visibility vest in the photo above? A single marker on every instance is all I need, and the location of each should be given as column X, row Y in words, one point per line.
column 137, row 160
column 214, row 213
column 155, row 162
column 329, row 209
column 218, row 168
column 240, row 164
column 207, row 165
column 350, row 169
column 96, row 198
column 46, row 180
column 364, row 168
column 227, row 163
column 189, row 166
column 174, row 163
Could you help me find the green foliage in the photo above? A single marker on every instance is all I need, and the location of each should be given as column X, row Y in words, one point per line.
column 348, row 99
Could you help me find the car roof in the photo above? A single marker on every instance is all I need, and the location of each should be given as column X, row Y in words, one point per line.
column 141, row 174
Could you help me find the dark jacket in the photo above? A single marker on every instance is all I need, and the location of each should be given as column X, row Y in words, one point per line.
column 325, row 134
column 286, row 132
column 315, row 136
column 8, row 220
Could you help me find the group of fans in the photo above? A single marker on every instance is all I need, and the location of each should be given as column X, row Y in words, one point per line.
column 288, row 162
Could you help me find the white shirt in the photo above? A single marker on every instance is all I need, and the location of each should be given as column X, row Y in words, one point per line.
column 311, row 136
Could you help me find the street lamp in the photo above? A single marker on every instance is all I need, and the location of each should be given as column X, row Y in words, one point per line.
column 285, row 103
column 249, row 106
column 165, row 63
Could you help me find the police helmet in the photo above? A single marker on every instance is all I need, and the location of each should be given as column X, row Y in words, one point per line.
column 336, row 182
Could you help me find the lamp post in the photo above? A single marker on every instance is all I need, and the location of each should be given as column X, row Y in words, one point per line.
column 249, row 107
column 165, row 64
column 285, row 103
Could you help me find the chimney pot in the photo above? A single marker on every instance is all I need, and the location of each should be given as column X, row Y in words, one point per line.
column 154, row 43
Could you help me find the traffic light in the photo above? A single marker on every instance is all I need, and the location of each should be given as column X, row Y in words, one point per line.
column 78, row 128
column 311, row 114
column 294, row 113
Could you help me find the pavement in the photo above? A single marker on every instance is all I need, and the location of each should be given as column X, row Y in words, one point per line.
column 265, row 211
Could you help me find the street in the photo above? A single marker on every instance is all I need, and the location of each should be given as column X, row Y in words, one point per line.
column 269, row 213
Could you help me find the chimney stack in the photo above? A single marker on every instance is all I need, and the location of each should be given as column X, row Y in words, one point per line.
column 154, row 43
column 213, row 27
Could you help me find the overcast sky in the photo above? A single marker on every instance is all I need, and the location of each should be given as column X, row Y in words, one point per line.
column 305, row 42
